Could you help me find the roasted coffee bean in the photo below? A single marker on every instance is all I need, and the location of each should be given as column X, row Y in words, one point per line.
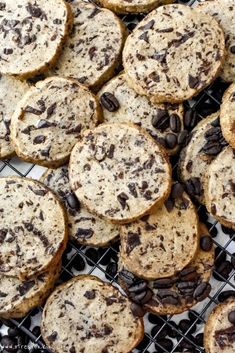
column 127, row 277
column 36, row 331
column 79, row 263
column 212, row 131
column 165, row 282
column 137, row 310
column 111, row 270
column 169, row 204
column 147, row 297
column 186, row 288
column 109, row 102
column 186, row 325
column 161, row 140
column 172, row 329
column 171, row 140
column 182, row 137
column 177, row 191
column 187, row 343
column 156, row 319
column 175, row 123
column 206, row 242
column 226, row 295
column 231, row 317
column 72, row 201
column 228, row 231
column 233, row 260
column 9, row 343
column 143, row 344
column 13, row 331
column 199, row 339
column 188, row 274
column 222, row 272
column 220, row 256
column 212, row 148
column 190, row 119
column 138, row 287
column 193, row 316
column 193, row 186
column 92, row 256
column 167, row 296
column 165, row 343
column 161, row 120
column 202, row 291
column 160, row 331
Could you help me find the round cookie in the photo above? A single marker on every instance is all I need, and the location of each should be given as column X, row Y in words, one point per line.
column 94, row 47
column 161, row 244
column 173, row 53
column 83, row 227
column 121, row 104
column 50, row 118
column 32, row 33
column 220, row 329
column 205, row 144
column 220, row 188
column 18, row 297
column 33, row 232
column 94, row 315
column 175, row 294
column 11, row 91
column 227, row 115
column 224, row 13
column 119, row 172
column 136, row 6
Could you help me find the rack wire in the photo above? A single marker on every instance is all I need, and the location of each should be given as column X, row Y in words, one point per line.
column 103, row 262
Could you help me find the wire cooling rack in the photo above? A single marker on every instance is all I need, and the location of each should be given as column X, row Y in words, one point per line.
column 163, row 334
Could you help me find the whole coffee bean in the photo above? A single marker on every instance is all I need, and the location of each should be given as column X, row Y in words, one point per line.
column 13, row 331
column 193, row 316
column 72, row 201
column 225, row 295
column 182, row 137
column 127, row 277
column 231, row 317
column 202, row 291
column 138, row 287
column 109, row 102
column 186, row 288
column 111, row 270
column 79, row 263
column 169, row 204
column 172, row 331
column 156, row 319
column 212, row 148
column 233, row 260
column 147, row 297
column 137, row 310
column 222, row 272
column 161, row 140
column 92, row 256
column 188, row 274
column 190, row 119
column 161, row 120
column 193, row 186
column 9, row 343
column 185, row 325
column 220, row 256
column 177, row 191
column 171, row 140
column 36, row 331
column 159, row 331
column 167, row 296
column 165, row 282
column 228, row 231
column 206, row 242
column 175, row 123
column 188, row 344
column 199, row 339
column 165, row 343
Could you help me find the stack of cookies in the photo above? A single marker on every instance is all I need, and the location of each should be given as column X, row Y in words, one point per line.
column 109, row 143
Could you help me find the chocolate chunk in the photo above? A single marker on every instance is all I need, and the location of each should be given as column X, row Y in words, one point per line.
column 193, row 187
column 44, row 124
column 193, row 81
column 94, row 12
column 169, row 204
column 51, row 110
column 34, row 10
column 46, row 151
column 29, row 109
column 72, row 201
column 109, row 102
column 90, row 294
column 92, row 52
column 154, row 76
column 144, row 36
column 177, row 191
column 39, row 139
column 132, row 188
column 133, row 240
column 231, row 317
column 171, row 140
column 175, row 123
column 165, row 282
column 223, row 337
column 122, row 198
column 3, row 295
column 85, row 233
column 202, row 291
column 25, row 287
column 39, row 192
column 3, row 234
column 53, row 336
column 111, row 151
column 232, row 49
column 206, row 243
column 107, row 330
column 137, row 310
column 148, row 25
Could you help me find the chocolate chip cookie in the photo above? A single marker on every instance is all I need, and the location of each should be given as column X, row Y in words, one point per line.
column 219, row 335
column 227, row 115
column 161, row 244
column 50, row 119
column 224, row 13
column 94, row 47
column 120, row 103
column 119, row 172
column 11, row 92
column 174, row 294
column 132, row 6
column 18, row 297
column 33, row 232
column 32, row 33
column 173, row 53
column 220, row 188
column 205, row 144
column 87, row 315
column 83, row 227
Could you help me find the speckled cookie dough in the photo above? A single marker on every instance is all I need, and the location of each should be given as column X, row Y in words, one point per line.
column 173, row 53
column 87, row 315
column 50, row 119
column 94, row 47
column 220, row 188
column 132, row 6
column 11, row 92
column 31, row 34
column 161, row 244
column 175, row 294
column 227, row 115
column 205, row 144
column 224, row 12
column 120, row 103
column 83, row 227
column 219, row 335
column 18, row 297
column 119, row 172
column 33, row 232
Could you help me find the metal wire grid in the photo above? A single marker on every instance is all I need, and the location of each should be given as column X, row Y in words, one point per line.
column 209, row 99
